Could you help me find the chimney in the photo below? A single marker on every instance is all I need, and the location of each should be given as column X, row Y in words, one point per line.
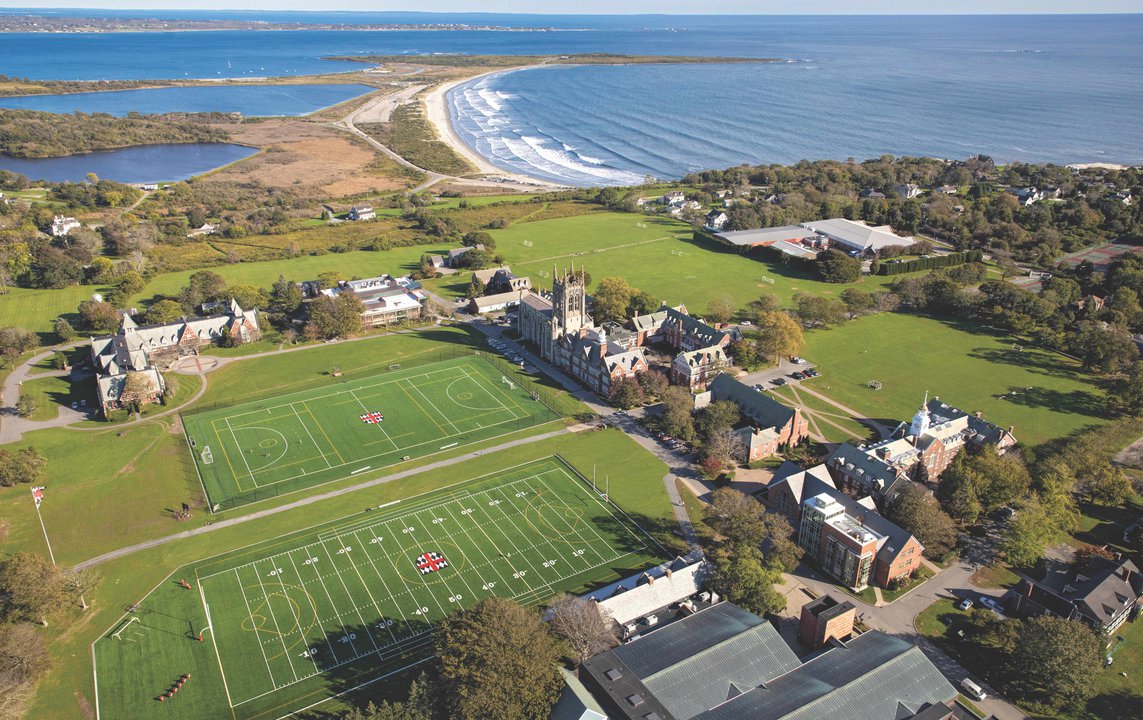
column 978, row 414
column 669, row 572
column 1011, row 428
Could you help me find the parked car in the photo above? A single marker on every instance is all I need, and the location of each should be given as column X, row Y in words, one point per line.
column 964, row 604
column 812, row 373
column 991, row 604
column 973, row 690
column 779, row 381
column 797, row 360
column 798, row 376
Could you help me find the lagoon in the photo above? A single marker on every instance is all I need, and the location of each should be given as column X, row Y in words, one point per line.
column 145, row 163
column 249, row 100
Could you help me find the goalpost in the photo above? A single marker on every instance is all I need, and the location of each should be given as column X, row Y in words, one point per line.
column 395, row 366
column 207, row 456
column 504, row 379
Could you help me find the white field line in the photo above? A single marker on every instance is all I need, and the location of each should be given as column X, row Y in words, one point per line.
column 376, row 606
column 452, row 593
column 587, row 541
column 456, row 430
column 214, row 638
column 379, row 425
column 250, row 614
column 495, row 502
column 384, row 585
column 325, row 635
column 405, row 582
column 366, row 626
column 311, row 437
column 522, row 513
column 277, row 628
column 239, row 446
column 479, row 548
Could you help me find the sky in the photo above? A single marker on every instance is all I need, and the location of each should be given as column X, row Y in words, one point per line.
column 680, row 7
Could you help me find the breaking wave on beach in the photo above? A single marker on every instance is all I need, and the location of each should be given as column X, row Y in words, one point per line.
column 482, row 116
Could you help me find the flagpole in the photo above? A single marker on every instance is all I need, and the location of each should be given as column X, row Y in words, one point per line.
column 51, row 554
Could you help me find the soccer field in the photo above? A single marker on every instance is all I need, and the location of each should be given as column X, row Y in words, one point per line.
column 293, row 621
column 263, row 449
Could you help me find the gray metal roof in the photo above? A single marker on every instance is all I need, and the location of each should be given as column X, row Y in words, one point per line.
column 856, row 235
column 867, row 679
column 677, row 642
column 766, row 236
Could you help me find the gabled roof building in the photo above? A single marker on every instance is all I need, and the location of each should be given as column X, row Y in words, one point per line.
column 1103, row 594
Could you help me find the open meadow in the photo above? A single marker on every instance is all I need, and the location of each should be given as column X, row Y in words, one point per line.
column 971, row 368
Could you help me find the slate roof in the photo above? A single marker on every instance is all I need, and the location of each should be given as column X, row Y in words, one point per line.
column 759, row 407
column 1110, row 588
column 863, row 465
column 869, row 678
column 987, row 433
column 695, row 328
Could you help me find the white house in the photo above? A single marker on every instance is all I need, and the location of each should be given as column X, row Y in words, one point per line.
column 62, row 225
column 362, row 212
column 716, row 220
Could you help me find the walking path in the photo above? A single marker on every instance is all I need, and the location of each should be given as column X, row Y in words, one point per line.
column 221, row 524
column 860, row 417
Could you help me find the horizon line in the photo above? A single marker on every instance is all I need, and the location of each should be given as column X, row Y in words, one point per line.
column 1038, row 13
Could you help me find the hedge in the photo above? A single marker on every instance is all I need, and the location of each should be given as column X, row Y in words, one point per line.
column 930, row 263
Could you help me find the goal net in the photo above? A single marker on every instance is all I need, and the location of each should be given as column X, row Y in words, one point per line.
column 504, row 379
column 395, row 366
column 207, row 456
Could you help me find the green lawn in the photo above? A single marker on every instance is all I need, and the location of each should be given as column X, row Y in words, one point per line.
column 67, row 691
column 922, row 574
column 37, row 310
column 329, row 608
column 969, row 368
column 258, row 450
column 820, row 411
column 52, row 392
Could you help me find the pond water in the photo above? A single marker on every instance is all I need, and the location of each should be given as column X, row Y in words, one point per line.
column 252, row 100
column 145, row 163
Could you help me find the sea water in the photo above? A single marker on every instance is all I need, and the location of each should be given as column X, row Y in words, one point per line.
column 1027, row 88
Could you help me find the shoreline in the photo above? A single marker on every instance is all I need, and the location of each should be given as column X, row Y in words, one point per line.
column 437, row 112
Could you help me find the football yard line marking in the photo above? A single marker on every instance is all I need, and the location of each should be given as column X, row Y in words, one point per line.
column 522, row 513
column 332, row 653
column 365, row 626
column 459, row 574
column 257, row 639
column 277, row 628
column 487, row 560
column 516, row 548
column 404, row 582
column 408, row 627
column 574, row 528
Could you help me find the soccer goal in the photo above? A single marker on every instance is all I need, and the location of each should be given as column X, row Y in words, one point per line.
column 767, row 280
column 206, row 455
column 640, row 225
column 873, row 384
column 395, row 366
column 528, row 243
column 504, row 379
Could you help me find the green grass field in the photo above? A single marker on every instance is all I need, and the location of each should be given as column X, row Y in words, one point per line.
column 968, row 367
column 295, row 620
column 263, row 449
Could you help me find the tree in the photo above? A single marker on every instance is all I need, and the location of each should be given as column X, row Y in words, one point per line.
column 333, row 317
column 59, row 360
column 475, row 287
column 64, row 331
column 857, row 302
column 1027, row 534
column 611, row 299
column 815, row 311
column 420, row 705
column 720, row 449
column 653, row 382
column 736, row 516
column 478, row 237
column 202, row 287
column 99, row 317
column 14, row 342
column 745, row 353
column 717, row 417
column 581, row 624
column 137, row 389
column 779, row 336
column 497, row 660
column 163, row 311
column 766, row 303
column 739, row 574
column 720, row 309
column 285, row 295
column 36, row 588
column 249, row 297
column 626, row 393
column 328, row 279
column 916, row 511
column 676, row 419
column 26, row 405
column 22, row 466
column 956, row 493
column 1105, row 484
column 1056, row 661
column 80, row 583
column 24, row 659
column 834, row 266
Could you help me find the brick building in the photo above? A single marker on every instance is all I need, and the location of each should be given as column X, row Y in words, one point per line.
column 826, row 619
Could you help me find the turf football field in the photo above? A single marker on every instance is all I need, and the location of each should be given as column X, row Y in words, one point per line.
column 296, row 620
column 262, row 449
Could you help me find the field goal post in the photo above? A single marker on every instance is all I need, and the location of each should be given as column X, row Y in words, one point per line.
column 873, row 384
column 206, row 455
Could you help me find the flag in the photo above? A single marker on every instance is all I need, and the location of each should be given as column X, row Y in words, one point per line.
column 372, row 418
column 38, row 494
column 430, row 562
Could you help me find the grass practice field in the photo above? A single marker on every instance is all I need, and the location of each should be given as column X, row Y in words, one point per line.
column 295, row 620
column 263, row 449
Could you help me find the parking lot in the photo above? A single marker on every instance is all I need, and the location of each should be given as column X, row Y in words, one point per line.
column 783, row 374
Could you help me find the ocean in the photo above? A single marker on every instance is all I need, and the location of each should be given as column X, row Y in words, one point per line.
column 1019, row 88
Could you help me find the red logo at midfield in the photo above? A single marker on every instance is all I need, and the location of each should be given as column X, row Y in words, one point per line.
column 372, row 418
column 430, row 562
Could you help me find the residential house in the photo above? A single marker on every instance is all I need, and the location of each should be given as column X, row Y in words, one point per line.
column 1124, row 196
column 206, row 229
column 907, row 191
column 1027, row 195
column 437, row 262
column 871, row 194
column 150, row 349
column 674, row 198
column 362, row 212
column 770, row 425
column 716, row 220
column 62, row 225
column 947, row 190
column 724, row 663
column 501, row 280
column 857, row 237
column 386, row 299
column 845, row 537
column 1102, row 594
column 455, row 255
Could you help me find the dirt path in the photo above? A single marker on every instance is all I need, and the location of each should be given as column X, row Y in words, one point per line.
column 883, row 431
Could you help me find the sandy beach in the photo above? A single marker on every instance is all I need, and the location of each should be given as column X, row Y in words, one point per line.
column 436, row 107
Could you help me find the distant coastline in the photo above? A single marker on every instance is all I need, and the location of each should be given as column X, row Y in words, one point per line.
column 31, row 23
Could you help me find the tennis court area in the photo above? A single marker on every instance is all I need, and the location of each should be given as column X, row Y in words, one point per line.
column 263, row 449
column 300, row 618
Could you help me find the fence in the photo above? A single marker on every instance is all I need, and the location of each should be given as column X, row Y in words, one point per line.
column 558, row 402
